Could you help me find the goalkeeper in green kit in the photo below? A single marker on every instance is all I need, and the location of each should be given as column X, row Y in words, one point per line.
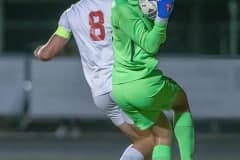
column 139, row 87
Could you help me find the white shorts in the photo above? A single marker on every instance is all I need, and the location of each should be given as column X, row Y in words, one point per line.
column 106, row 104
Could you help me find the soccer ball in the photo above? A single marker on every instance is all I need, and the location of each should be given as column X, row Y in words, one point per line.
column 149, row 8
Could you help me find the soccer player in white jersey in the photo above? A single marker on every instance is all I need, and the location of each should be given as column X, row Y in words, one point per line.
column 89, row 23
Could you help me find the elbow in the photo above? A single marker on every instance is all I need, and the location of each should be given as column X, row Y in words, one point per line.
column 44, row 57
column 154, row 49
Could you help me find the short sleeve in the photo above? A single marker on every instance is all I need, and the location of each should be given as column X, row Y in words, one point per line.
column 64, row 28
column 64, row 21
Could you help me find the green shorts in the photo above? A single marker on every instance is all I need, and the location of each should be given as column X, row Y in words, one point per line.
column 143, row 100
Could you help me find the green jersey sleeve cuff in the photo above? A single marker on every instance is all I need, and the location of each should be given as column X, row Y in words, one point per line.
column 160, row 27
column 161, row 24
column 62, row 32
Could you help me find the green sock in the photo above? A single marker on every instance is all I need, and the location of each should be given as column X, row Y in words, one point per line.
column 161, row 152
column 184, row 132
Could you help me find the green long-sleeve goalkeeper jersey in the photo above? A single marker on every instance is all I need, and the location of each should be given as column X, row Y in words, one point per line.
column 136, row 41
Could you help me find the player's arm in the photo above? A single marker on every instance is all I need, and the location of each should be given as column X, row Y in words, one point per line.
column 135, row 28
column 148, row 39
column 57, row 41
column 53, row 46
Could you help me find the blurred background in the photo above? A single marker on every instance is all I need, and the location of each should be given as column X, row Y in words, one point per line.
column 46, row 109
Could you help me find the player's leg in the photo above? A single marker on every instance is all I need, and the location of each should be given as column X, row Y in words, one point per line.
column 142, row 144
column 161, row 100
column 183, row 126
column 160, row 134
column 144, row 109
column 175, row 98
column 163, row 137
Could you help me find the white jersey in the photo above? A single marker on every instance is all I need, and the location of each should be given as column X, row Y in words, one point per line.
column 89, row 22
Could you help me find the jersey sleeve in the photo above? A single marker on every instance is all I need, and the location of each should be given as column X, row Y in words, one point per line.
column 64, row 28
column 134, row 26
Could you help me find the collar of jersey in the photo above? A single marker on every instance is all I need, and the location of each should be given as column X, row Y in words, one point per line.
column 120, row 1
column 132, row 2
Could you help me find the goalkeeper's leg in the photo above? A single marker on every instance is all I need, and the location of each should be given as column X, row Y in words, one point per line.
column 142, row 142
column 183, row 126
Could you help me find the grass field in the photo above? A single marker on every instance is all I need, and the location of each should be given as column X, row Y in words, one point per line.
column 107, row 147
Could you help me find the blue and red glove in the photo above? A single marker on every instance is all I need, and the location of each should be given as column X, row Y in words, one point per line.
column 164, row 10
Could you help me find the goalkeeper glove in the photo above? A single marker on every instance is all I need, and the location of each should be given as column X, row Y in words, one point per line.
column 164, row 10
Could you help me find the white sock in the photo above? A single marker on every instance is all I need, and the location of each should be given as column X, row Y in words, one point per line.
column 131, row 153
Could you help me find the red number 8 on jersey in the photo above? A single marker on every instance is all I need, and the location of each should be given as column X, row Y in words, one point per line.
column 96, row 22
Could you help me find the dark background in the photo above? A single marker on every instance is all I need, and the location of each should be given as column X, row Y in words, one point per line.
column 196, row 27
column 46, row 109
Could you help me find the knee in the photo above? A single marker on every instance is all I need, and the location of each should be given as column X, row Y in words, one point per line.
column 145, row 145
column 181, row 102
column 163, row 136
column 142, row 135
column 162, row 131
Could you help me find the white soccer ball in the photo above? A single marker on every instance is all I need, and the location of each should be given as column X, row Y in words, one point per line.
column 149, row 8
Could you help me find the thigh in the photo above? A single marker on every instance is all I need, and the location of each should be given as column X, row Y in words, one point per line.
column 143, row 100
column 125, row 98
column 167, row 94
column 106, row 104
column 180, row 103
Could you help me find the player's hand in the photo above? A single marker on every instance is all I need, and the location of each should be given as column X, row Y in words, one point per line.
column 164, row 10
column 36, row 52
